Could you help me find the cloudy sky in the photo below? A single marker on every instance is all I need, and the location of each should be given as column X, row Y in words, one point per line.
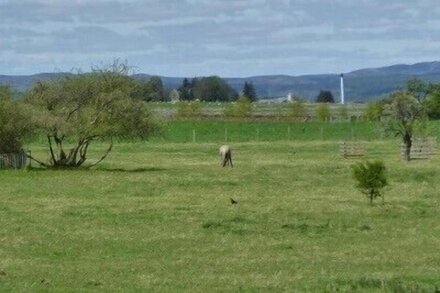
column 222, row 37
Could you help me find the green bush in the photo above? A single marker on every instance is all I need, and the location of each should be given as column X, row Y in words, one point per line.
column 297, row 109
column 371, row 178
column 14, row 124
column 343, row 112
column 433, row 103
column 189, row 109
column 323, row 112
column 241, row 108
column 373, row 111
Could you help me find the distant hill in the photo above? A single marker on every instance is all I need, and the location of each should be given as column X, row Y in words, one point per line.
column 360, row 85
column 23, row 82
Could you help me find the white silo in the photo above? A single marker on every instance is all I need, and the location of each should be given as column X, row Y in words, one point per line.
column 342, row 89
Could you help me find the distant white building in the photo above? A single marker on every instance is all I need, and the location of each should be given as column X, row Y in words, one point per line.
column 289, row 98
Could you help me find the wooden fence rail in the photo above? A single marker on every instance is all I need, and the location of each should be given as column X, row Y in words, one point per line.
column 14, row 161
column 352, row 149
column 422, row 148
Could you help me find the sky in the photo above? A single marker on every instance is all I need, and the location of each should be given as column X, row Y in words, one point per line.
column 229, row 38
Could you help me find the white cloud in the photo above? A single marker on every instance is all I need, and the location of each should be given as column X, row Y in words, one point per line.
column 226, row 37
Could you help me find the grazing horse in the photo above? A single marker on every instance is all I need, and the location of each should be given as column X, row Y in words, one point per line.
column 226, row 155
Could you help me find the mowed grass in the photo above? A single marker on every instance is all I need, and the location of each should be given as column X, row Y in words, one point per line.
column 157, row 217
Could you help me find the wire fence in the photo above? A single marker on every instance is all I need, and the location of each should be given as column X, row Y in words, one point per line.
column 209, row 131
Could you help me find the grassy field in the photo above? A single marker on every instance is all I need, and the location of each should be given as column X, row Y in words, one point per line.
column 157, row 217
column 248, row 131
column 254, row 131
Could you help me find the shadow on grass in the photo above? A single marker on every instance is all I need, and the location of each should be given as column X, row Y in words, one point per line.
column 121, row 170
column 136, row 170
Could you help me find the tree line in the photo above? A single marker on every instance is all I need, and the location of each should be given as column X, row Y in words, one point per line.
column 209, row 89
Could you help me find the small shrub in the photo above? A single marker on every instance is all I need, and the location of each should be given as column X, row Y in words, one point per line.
column 241, row 108
column 373, row 111
column 14, row 123
column 297, row 109
column 343, row 112
column 371, row 178
column 323, row 112
column 189, row 109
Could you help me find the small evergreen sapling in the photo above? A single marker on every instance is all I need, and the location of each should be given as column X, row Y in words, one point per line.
column 371, row 178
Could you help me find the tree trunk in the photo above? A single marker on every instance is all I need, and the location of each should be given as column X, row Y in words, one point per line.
column 77, row 154
column 407, row 140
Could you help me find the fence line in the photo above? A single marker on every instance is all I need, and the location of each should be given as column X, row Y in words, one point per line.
column 14, row 161
column 352, row 149
column 245, row 132
column 421, row 149
column 260, row 135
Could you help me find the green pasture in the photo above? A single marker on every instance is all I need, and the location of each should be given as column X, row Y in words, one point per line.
column 156, row 217
column 245, row 131
column 242, row 130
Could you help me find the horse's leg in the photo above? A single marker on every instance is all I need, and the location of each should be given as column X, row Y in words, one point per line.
column 229, row 158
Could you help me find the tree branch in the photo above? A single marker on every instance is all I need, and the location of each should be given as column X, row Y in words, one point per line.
column 51, row 150
column 38, row 161
column 104, row 156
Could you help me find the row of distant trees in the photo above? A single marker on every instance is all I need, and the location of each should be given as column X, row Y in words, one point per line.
column 216, row 89
column 210, row 89
column 213, row 89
